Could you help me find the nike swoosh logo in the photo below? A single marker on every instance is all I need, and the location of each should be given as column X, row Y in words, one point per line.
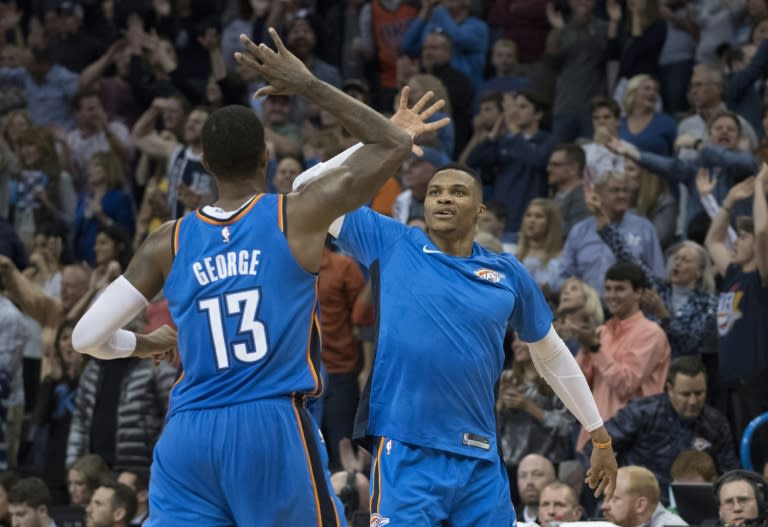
column 430, row 251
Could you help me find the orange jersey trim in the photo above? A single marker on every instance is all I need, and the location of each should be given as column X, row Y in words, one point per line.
column 175, row 239
column 233, row 219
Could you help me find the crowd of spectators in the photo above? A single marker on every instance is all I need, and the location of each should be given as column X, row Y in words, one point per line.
column 619, row 143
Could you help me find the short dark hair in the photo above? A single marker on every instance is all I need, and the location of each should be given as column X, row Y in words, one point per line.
column 539, row 105
column 746, row 224
column 124, row 497
column 689, row 366
column 233, row 142
column 626, row 272
column 605, row 102
column 461, row 167
column 574, row 153
column 30, row 491
column 494, row 97
column 725, row 113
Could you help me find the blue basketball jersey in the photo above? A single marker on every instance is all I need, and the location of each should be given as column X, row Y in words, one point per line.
column 245, row 309
column 439, row 347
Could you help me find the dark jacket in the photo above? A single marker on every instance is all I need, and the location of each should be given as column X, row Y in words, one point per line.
column 650, row 433
column 141, row 410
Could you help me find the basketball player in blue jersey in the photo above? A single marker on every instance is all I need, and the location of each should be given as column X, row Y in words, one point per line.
column 241, row 280
column 444, row 304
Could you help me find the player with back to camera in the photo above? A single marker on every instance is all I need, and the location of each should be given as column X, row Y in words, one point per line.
column 240, row 278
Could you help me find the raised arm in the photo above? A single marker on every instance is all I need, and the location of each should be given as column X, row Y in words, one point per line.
column 311, row 210
column 146, row 138
column 718, row 230
column 760, row 215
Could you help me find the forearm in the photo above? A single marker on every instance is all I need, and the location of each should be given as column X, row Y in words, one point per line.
column 99, row 333
column 712, row 207
column 218, row 67
column 146, row 123
column 361, row 121
column 718, row 229
column 93, row 72
column 554, row 362
column 117, row 146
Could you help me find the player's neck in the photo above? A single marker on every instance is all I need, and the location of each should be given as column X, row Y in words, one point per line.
column 232, row 194
column 453, row 246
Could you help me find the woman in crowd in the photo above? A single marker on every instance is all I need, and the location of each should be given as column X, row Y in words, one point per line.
column 540, row 243
column 43, row 191
column 579, row 304
column 84, row 477
column 53, row 413
column 650, row 197
column 684, row 302
column 106, row 204
column 530, row 416
column 643, row 125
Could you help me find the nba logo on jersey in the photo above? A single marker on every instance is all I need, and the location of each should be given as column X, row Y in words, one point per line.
column 490, row 275
column 225, row 234
column 389, row 447
column 378, row 520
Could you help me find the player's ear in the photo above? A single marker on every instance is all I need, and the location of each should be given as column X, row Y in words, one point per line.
column 481, row 209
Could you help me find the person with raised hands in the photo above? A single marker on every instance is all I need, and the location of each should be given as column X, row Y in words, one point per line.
column 240, row 277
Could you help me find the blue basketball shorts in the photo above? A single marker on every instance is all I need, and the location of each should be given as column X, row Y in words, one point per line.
column 424, row 487
column 256, row 464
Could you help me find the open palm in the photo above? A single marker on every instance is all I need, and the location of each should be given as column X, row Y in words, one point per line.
column 413, row 120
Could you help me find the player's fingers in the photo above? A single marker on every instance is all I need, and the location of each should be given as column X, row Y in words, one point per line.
column 417, row 150
column 403, row 105
column 249, row 45
column 437, row 125
column 266, row 51
column 264, row 91
column 601, row 486
column 250, row 62
column 432, row 110
column 421, row 103
column 611, row 488
column 276, row 39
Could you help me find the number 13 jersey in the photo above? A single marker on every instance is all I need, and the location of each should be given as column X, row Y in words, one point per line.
column 246, row 311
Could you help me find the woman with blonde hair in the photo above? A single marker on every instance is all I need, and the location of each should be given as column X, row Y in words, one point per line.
column 540, row 243
column 579, row 304
column 106, row 204
column 16, row 123
column 43, row 191
column 643, row 125
column 651, row 198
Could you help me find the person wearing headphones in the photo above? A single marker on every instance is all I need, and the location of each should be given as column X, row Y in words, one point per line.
column 742, row 497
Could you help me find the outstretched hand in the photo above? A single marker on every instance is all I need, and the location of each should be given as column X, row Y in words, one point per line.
column 413, row 120
column 602, row 472
column 284, row 72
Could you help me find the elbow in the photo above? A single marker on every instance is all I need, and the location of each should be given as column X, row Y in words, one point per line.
column 83, row 340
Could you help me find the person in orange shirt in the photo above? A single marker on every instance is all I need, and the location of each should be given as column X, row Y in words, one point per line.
column 629, row 355
column 340, row 284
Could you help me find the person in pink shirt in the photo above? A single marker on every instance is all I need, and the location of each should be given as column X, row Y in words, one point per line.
column 629, row 355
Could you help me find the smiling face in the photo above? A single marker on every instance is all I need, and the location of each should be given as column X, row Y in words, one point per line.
column 453, row 204
column 105, row 249
column 621, row 298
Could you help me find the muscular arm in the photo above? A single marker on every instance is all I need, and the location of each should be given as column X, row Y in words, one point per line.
column 99, row 333
column 312, row 209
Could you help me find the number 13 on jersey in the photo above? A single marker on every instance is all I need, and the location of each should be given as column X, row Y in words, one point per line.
column 245, row 306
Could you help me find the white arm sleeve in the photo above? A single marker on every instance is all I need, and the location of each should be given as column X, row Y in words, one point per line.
column 316, row 171
column 554, row 361
column 712, row 207
column 98, row 332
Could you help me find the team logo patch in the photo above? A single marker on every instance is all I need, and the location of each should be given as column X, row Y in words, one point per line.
column 490, row 275
column 378, row 520
column 225, row 234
